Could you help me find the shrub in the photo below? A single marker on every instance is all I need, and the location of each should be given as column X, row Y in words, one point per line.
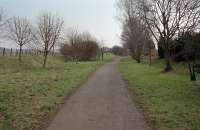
column 80, row 47
column 186, row 47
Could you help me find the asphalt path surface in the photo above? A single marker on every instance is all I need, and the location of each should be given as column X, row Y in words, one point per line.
column 101, row 103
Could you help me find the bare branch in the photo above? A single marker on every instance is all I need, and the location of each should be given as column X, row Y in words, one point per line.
column 49, row 32
column 20, row 32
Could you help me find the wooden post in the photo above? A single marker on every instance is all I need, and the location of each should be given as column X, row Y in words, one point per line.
column 16, row 53
column 11, row 52
column 4, row 51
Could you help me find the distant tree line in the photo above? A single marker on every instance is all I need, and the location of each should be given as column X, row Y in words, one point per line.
column 119, row 51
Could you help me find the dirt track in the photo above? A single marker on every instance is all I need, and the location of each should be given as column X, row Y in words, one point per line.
column 102, row 103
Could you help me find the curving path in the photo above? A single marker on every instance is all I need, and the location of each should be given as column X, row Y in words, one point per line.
column 102, row 103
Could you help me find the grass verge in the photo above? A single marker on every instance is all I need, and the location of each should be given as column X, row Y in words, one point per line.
column 29, row 94
column 170, row 101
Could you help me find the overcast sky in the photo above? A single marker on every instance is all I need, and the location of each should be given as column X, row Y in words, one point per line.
column 95, row 16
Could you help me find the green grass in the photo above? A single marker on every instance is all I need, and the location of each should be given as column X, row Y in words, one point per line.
column 170, row 101
column 180, row 68
column 30, row 94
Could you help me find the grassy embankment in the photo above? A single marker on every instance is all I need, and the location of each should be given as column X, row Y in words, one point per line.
column 29, row 94
column 170, row 101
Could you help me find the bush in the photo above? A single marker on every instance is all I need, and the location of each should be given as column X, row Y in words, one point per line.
column 88, row 50
column 67, row 51
column 186, row 47
column 80, row 47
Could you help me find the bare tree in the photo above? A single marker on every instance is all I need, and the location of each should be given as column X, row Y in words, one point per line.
column 135, row 33
column 166, row 18
column 73, row 39
column 49, row 30
column 80, row 46
column 20, row 32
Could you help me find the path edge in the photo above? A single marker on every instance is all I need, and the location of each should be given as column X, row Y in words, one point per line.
column 135, row 99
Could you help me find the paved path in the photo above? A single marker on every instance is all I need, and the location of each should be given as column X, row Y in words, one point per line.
column 102, row 103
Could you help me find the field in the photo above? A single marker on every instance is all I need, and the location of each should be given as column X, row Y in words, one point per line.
column 170, row 101
column 30, row 94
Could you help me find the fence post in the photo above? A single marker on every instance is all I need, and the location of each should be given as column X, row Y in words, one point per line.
column 16, row 52
column 4, row 51
column 26, row 52
column 11, row 52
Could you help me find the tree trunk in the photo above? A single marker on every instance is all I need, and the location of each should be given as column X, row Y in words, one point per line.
column 150, row 57
column 11, row 52
column 138, row 55
column 45, row 59
column 4, row 51
column 192, row 73
column 102, row 54
column 168, row 66
column 20, row 53
column 138, row 59
column 76, row 59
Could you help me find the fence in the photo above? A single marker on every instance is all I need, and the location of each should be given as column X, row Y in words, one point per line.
column 25, row 52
